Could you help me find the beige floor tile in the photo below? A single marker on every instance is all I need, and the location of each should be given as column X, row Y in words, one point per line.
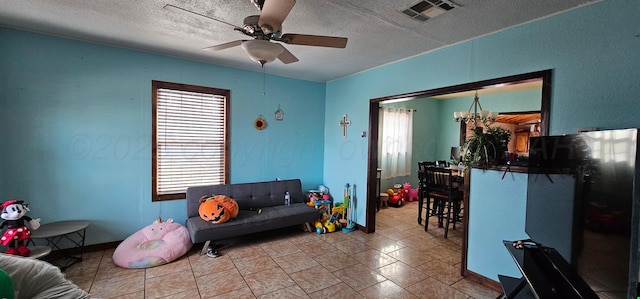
column 433, row 289
column 304, row 237
column 441, row 271
column 242, row 293
column 417, row 243
column 245, row 251
column 169, row 284
column 335, row 237
column 108, row 270
column 219, row 282
column 384, row 244
column 335, row 260
column 475, row 290
column 295, row 262
column 250, row 265
column 189, row 294
column 402, row 274
column 315, row 247
column 177, row 266
column 339, row 291
column 268, row 281
column 359, row 277
column 387, row 289
column 203, row 265
column 292, row 292
column 315, row 279
column 351, row 246
column 374, row 259
column 411, row 256
column 444, row 254
column 280, row 248
column 117, row 286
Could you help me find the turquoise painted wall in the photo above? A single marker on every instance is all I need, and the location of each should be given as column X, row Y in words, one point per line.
column 498, row 216
column 76, row 129
column 592, row 50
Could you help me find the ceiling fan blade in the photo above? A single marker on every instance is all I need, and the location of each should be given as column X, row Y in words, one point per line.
column 195, row 15
column 313, row 40
column 286, row 57
column 273, row 14
column 225, row 45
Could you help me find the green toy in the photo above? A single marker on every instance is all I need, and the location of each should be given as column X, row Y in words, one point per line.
column 6, row 286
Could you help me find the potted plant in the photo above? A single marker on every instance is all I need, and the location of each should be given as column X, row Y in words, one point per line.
column 485, row 148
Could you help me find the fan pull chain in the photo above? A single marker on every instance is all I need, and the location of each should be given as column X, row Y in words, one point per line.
column 263, row 80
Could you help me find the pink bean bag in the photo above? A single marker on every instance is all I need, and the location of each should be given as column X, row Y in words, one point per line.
column 154, row 245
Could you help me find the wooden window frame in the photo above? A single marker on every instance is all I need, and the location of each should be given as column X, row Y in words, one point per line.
column 156, row 85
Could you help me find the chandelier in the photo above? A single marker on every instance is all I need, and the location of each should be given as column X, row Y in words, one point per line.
column 475, row 114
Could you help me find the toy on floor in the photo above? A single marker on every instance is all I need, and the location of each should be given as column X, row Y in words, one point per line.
column 328, row 225
column 13, row 213
column 347, row 217
column 155, row 244
column 405, row 190
column 396, row 198
column 410, row 194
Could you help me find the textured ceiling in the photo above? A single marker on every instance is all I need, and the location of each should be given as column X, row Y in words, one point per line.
column 378, row 33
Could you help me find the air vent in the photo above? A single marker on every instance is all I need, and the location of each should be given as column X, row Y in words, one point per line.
column 428, row 9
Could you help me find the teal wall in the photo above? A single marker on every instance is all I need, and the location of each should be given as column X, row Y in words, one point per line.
column 592, row 50
column 76, row 129
column 498, row 216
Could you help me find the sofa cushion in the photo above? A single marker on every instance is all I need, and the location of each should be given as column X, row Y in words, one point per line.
column 249, row 196
column 250, row 221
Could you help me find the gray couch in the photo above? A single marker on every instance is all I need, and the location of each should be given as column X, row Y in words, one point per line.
column 268, row 197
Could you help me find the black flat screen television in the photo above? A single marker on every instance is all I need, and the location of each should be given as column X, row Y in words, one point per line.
column 581, row 201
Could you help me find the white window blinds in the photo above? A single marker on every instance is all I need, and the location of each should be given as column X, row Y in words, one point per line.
column 190, row 140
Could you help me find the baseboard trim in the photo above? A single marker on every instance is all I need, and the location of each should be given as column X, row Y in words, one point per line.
column 79, row 250
column 485, row 281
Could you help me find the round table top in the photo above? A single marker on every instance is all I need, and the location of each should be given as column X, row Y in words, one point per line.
column 59, row 228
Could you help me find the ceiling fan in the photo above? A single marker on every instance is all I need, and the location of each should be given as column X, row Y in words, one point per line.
column 264, row 29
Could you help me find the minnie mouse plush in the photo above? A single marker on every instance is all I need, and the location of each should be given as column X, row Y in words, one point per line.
column 13, row 212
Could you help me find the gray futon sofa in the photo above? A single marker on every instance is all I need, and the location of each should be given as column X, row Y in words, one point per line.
column 266, row 197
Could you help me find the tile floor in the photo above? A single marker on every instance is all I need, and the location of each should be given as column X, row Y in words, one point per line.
column 399, row 260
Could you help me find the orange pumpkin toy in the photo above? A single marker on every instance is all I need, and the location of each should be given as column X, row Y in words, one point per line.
column 217, row 209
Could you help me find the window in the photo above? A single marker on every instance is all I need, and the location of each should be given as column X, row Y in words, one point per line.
column 396, row 129
column 190, row 129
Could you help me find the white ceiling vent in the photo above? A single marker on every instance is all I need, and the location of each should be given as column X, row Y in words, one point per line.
column 427, row 9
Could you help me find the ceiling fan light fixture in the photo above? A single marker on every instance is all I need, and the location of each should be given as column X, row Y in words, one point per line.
column 262, row 51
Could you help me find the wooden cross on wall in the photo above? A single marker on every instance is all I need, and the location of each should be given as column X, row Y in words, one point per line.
column 344, row 123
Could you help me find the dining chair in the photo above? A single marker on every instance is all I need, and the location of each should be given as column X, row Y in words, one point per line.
column 439, row 186
column 422, row 189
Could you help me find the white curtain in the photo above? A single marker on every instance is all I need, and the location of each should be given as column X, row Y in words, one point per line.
column 395, row 142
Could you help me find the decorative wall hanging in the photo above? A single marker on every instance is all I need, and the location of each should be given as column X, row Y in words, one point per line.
column 260, row 123
column 344, row 123
column 279, row 114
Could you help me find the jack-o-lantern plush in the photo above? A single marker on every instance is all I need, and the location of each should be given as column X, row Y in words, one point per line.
column 217, row 209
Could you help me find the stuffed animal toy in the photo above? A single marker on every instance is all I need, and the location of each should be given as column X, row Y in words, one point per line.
column 156, row 244
column 413, row 194
column 13, row 213
column 406, row 188
column 218, row 209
